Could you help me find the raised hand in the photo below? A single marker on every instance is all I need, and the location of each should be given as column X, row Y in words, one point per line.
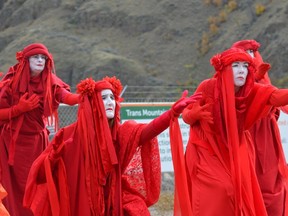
column 262, row 70
column 27, row 104
column 198, row 113
column 184, row 101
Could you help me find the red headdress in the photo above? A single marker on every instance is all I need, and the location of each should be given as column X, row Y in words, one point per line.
column 260, row 73
column 247, row 45
column 250, row 45
column 97, row 136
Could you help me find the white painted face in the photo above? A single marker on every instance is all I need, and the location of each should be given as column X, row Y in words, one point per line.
column 251, row 53
column 37, row 64
column 240, row 72
column 109, row 103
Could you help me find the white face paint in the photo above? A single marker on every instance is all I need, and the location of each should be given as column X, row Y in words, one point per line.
column 240, row 72
column 37, row 64
column 251, row 53
column 109, row 103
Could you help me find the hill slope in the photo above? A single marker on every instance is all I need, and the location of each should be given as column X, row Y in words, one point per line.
column 151, row 42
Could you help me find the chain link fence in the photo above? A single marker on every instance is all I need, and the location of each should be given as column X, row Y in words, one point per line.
column 131, row 94
column 67, row 115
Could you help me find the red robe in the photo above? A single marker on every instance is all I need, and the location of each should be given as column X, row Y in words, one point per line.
column 30, row 135
column 217, row 185
column 133, row 183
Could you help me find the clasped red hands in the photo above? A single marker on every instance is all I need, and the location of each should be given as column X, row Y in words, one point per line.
column 27, row 104
column 184, row 101
column 198, row 113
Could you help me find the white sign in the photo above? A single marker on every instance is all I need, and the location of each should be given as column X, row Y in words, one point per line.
column 144, row 113
column 283, row 127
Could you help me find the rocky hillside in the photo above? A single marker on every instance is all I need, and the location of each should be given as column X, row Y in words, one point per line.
column 151, row 42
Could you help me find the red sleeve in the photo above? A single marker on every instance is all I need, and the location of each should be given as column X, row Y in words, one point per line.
column 279, row 97
column 155, row 127
column 63, row 95
column 70, row 98
column 8, row 113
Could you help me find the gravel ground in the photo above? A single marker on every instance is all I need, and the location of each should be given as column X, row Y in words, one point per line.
column 164, row 207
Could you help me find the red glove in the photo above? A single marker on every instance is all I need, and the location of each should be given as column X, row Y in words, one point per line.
column 159, row 124
column 27, row 104
column 262, row 69
column 24, row 105
column 196, row 112
column 184, row 101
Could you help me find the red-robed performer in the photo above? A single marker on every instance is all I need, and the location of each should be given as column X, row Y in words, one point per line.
column 98, row 166
column 31, row 92
column 270, row 161
column 220, row 157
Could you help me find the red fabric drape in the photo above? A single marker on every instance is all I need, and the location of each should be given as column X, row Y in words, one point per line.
column 181, row 192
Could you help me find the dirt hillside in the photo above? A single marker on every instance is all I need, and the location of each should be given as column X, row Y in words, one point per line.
column 151, row 42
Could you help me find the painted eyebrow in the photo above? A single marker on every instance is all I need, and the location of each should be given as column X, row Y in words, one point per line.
column 237, row 62
column 107, row 95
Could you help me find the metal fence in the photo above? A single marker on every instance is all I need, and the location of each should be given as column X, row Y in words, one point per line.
column 68, row 114
column 154, row 93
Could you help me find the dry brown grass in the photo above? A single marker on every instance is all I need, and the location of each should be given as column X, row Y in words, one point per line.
column 164, row 207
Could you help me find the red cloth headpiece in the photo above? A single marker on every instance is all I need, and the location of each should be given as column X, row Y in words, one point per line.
column 33, row 49
column 226, row 58
column 250, row 45
column 247, row 45
column 254, row 45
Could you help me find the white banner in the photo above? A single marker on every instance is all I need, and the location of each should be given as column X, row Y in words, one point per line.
column 144, row 113
column 283, row 127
